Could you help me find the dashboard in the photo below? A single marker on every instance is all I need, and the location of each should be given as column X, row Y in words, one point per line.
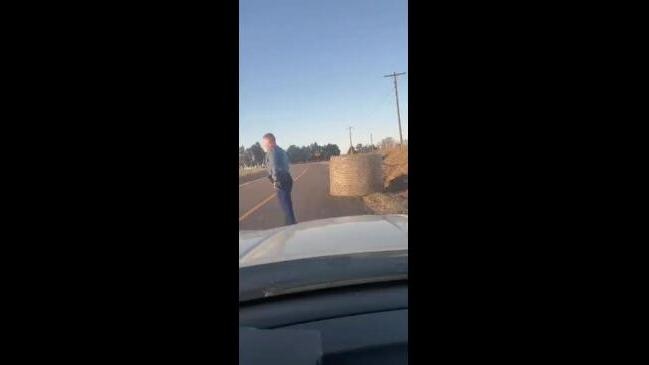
column 351, row 325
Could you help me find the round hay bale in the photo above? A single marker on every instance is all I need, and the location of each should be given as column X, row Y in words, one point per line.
column 355, row 175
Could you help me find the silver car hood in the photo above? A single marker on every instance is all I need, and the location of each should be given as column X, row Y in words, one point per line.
column 324, row 237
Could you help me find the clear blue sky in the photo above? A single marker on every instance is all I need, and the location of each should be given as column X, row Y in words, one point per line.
column 310, row 68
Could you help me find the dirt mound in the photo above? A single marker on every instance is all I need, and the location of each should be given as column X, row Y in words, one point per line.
column 395, row 198
column 395, row 168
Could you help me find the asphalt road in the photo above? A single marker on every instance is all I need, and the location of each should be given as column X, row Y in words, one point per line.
column 259, row 208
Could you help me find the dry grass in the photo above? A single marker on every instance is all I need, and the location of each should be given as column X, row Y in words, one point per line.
column 246, row 175
column 386, row 203
column 250, row 171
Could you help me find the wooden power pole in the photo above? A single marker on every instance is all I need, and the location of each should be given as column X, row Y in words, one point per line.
column 350, row 137
column 396, row 94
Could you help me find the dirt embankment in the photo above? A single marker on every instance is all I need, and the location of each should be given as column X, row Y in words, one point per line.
column 394, row 198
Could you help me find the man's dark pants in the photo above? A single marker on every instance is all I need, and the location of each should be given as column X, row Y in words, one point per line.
column 284, row 197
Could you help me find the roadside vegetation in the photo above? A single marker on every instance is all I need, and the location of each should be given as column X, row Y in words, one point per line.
column 245, row 171
column 252, row 158
column 312, row 152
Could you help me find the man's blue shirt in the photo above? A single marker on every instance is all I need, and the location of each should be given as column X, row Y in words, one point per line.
column 276, row 162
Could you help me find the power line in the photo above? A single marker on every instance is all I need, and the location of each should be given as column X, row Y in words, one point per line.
column 377, row 107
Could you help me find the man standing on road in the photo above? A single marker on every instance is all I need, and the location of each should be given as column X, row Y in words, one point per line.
column 278, row 173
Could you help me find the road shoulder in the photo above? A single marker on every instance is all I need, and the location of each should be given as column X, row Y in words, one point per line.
column 252, row 176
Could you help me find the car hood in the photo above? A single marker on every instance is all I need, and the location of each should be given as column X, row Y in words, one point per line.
column 324, row 237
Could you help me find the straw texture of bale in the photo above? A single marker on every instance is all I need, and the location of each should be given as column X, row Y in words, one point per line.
column 355, row 175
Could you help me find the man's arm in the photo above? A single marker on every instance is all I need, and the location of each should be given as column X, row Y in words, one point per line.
column 271, row 165
column 267, row 166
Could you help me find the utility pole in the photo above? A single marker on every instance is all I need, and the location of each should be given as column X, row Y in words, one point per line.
column 371, row 143
column 396, row 93
column 350, row 137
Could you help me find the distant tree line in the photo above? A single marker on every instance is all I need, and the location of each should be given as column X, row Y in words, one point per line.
column 251, row 156
column 389, row 142
column 362, row 148
column 255, row 155
column 385, row 143
column 312, row 152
